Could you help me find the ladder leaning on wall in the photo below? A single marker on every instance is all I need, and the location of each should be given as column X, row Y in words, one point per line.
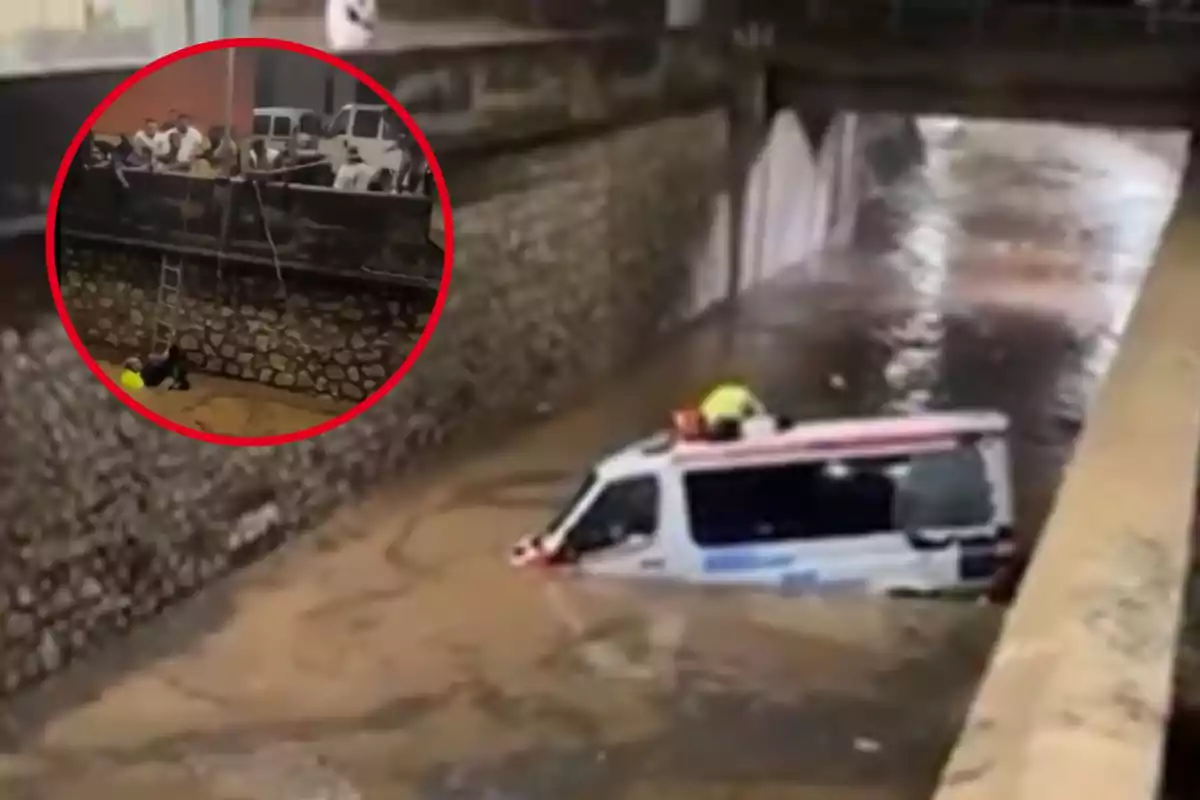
column 166, row 308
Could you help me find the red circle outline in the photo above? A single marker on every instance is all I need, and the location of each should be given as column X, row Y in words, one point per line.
column 443, row 199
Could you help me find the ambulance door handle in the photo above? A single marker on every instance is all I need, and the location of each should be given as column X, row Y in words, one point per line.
column 924, row 543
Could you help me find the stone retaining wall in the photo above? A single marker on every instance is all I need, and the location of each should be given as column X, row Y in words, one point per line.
column 575, row 266
column 330, row 337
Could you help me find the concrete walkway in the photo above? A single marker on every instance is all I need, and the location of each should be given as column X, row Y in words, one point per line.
column 403, row 34
column 1076, row 700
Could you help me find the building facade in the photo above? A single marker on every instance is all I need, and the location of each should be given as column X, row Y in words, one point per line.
column 41, row 37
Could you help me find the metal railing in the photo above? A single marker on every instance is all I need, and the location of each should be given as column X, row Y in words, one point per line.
column 312, row 229
column 967, row 23
column 500, row 95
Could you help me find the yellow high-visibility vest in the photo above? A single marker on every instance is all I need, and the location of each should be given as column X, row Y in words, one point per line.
column 728, row 401
column 132, row 380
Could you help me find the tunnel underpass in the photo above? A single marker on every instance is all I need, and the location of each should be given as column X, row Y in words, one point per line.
column 393, row 654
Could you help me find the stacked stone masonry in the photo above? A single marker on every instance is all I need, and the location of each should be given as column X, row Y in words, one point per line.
column 573, row 267
column 335, row 338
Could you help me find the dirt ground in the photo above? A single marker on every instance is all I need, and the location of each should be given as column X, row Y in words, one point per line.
column 234, row 407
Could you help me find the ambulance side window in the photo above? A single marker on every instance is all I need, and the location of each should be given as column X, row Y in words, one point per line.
column 946, row 490
column 816, row 500
column 623, row 508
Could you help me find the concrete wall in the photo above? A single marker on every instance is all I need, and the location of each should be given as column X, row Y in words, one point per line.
column 1076, row 700
column 585, row 253
column 289, row 80
column 803, row 196
column 408, row 9
column 60, row 103
column 25, row 300
column 1059, row 79
column 338, row 338
column 584, row 12
column 195, row 86
column 789, row 214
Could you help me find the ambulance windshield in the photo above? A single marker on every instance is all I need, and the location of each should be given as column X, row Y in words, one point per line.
column 624, row 508
column 572, row 501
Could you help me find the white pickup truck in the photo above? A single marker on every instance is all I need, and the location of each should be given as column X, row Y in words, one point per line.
column 373, row 130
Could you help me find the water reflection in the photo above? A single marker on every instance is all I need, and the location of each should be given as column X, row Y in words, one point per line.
column 1050, row 231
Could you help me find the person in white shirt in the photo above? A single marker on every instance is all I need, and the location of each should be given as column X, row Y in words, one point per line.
column 261, row 156
column 161, row 143
column 354, row 175
column 144, row 139
column 191, row 141
column 350, row 24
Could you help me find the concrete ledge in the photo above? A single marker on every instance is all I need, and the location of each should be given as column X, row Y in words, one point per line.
column 1077, row 696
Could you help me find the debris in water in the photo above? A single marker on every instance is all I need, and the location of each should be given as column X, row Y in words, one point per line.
column 837, row 381
column 281, row 771
column 864, row 745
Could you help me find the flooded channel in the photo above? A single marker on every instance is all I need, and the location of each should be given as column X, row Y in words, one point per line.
column 393, row 654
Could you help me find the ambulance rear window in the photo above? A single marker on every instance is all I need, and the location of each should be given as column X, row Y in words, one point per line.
column 946, row 490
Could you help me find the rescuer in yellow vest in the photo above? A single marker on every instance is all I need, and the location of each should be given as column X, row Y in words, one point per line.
column 131, row 374
column 726, row 407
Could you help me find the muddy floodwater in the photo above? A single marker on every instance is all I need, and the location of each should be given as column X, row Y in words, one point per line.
column 394, row 655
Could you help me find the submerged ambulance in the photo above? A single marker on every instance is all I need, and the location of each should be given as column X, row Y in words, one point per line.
column 918, row 504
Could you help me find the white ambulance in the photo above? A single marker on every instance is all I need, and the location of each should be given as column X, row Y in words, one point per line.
column 918, row 504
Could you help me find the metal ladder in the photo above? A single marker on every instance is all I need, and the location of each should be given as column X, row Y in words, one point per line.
column 166, row 310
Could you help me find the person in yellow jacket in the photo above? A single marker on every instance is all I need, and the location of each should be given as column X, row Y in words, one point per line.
column 726, row 407
column 131, row 375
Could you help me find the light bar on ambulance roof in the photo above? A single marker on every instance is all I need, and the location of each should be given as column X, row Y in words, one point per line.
column 863, row 446
column 866, row 439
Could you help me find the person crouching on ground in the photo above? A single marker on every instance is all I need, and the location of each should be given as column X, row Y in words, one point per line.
column 131, row 374
column 161, row 366
column 726, row 407
column 354, row 175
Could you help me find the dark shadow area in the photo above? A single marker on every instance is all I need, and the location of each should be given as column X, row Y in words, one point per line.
column 59, row 104
column 25, row 299
column 1092, row 64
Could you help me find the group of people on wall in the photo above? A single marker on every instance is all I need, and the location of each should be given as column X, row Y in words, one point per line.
column 177, row 145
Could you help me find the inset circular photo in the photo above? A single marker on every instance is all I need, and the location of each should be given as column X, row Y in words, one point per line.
column 241, row 241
